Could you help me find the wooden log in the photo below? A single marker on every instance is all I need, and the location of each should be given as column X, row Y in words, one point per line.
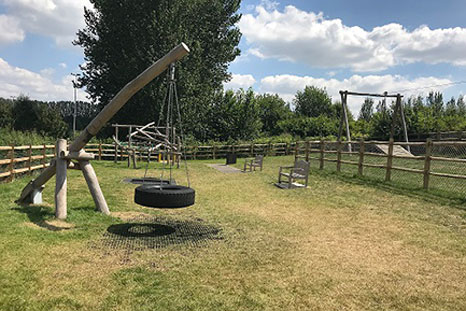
column 427, row 163
column 30, row 159
column 339, row 146
column 94, row 187
column 126, row 93
column 322, row 154
column 80, row 156
column 362, row 148
column 11, row 166
column 388, row 172
column 60, row 181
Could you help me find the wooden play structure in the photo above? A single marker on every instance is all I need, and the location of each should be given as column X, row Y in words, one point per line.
column 73, row 157
column 399, row 110
column 147, row 141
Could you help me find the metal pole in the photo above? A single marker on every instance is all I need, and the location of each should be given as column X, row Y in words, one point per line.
column 75, row 97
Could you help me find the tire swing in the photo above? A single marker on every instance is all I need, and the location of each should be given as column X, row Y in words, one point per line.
column 168, row 195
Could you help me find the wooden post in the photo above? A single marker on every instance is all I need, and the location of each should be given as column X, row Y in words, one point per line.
column 322, row 154
column 388, row 173
column 427, row 163
column 339, row 144
column 214, row 151
column 307, row 150
column 100, row 151
column 115, row 159
column 252, row 149
column 296, row 150
column 94, row 187
column 344, row 119
column 287, row 148
column 44, row 156
column 362, row 147
column 60, row 181
column 403, row 121
column 11, row 166
column 30, row 159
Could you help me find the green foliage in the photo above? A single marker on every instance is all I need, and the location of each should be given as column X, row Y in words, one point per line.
column 320, row 126
column 273, row 109
column 367, row 110
column 37, row 116
column 19, row 138
column 6, row 113
column 122, row 38
column 235, row 116
column 313, row 102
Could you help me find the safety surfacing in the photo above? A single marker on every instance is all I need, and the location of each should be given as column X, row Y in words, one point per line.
column 145, row 232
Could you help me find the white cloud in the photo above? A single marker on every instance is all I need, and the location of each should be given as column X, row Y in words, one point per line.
column 15, row 81
column 287, row 86
column 306, row 37
column 63, row 65
column 240, row 81
column 59, row 19
column 10, row 31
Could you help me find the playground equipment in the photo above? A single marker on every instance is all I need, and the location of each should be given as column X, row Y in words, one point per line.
column 398, row 110
column 146, row 139
column 65, row 156
column 165, row 195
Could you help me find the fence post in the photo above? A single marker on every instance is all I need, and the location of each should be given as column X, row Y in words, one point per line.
column 427, row 162
column 44, row 156
column 214, row 149
column 296, row 149
column 100, row 151
column 30, row 159
column 11, row 166
column 286, row 148
column 339, row 144
column 362, row 147
column 322, row 153
column 307, row 150
column 388, row 173
column 252, row 149
column 269, row 149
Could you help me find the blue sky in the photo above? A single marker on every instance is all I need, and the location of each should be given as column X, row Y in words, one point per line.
column 362, row 45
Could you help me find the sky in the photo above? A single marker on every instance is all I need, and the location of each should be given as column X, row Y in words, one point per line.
column 400, row 46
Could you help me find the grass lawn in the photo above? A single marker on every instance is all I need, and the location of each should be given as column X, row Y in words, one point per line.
column 341, row 244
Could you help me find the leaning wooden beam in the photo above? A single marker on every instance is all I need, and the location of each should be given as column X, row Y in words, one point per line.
column 94, row 187
column 109, row 111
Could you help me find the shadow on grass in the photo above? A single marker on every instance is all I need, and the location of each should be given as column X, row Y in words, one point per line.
column 431, row 196
column 41, row 216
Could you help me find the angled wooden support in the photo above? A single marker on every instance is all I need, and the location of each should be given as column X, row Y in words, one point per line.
column 94, row 127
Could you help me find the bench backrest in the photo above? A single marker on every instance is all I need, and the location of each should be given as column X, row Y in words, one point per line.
column 303, row 166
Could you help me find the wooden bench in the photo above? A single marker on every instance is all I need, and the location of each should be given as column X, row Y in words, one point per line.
column 300, row 171
column 251, row 164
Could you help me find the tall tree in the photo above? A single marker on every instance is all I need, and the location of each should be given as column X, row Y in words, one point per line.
column 313, row 102
column 272, row 110
column 123, row 37
column 367, row 110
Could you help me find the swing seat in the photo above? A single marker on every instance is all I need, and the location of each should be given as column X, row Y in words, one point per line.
column 164, row 196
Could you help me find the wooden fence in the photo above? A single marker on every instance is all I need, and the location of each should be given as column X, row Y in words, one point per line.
column 423, row 161
column 20, row 160
column 438, row 159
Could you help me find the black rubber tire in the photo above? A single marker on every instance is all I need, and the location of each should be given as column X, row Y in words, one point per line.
column 167, row 196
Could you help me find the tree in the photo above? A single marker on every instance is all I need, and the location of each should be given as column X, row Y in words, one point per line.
column 235, row 116
column 123, row 37
column 461, row 106
column 367, row 110
column 37, row 116
column 6, row 113
column 313, row 102
column 272, row 110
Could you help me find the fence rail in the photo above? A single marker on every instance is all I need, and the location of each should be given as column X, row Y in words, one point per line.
column 431, row 164
column 437, row 165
